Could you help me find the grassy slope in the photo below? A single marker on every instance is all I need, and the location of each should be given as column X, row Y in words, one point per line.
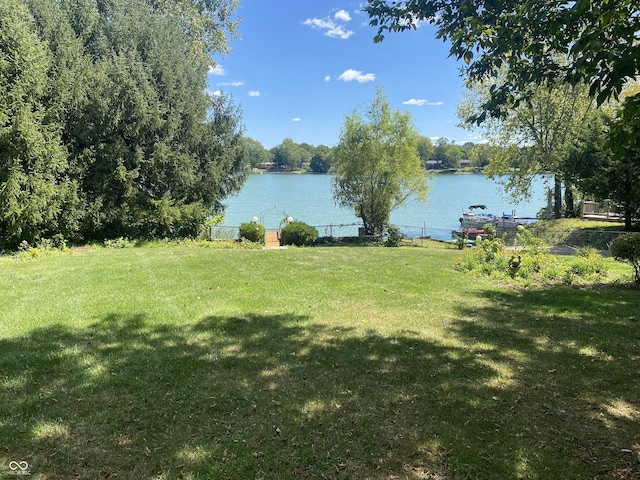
column 577, row 232
column 371, row 363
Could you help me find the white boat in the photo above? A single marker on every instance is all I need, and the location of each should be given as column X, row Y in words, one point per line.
column 474, row 219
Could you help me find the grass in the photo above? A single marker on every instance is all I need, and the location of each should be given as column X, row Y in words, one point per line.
column 379, row 363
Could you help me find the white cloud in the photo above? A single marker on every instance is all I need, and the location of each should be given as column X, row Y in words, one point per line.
column 217, row 70
column 477, row 139
column 351, row 74
column 231, row 84
column 215, row 93
column 254, row 93
column 327, row 78
column 422, row 102
column 342, row 15
column 331, row 28
column 296, row 119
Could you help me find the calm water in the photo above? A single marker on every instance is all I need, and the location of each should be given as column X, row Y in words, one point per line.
column 309, row 198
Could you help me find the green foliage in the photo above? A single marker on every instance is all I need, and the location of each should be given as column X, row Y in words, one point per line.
column 289, row 155
column 537, row 42
column 605, row 159
column 34, row 187
column 120, row 242
column 298, row 233
column 531, row 261
column 528, row 241
column 586, row 263
column 254, row 153
column 394, row 236
column 448, row 153
column 547, row 123
column 426, row 150
column 377, row 167
column 321, row 160
column 490, row 231
column 626, row 248
column 252, row 232
column 105, row 126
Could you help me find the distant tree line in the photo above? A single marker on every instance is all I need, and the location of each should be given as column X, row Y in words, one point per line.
column 292, row 156
column 106, row 129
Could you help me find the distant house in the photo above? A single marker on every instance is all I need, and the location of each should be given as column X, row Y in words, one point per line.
column 266, row 166
column 433, row 164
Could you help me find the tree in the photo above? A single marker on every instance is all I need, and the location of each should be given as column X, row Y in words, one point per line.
column 533, row 136
column 119, row 137
column 623, row 169
column 254, row 152
column 288, row 155
column 321, row 160
column 626, row 248
column 605, row 161
column 426, row 150
column 537, row 41
column 307, row 151
column 377, row 167
column 480, row 154
column 448, row 153
column 34, row 186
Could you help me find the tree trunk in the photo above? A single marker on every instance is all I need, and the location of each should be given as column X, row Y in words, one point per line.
column 569, row 210
column 557, row 197
column 628, row 216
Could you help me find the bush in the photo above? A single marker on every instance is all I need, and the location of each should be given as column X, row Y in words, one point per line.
column 394, row 236
column 587, row 263
column 626, row 248
column 119, row 242
column 252, row 232
column 298, row 233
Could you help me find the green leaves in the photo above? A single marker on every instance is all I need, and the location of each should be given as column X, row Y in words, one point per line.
column 376, row 162
column 541, row 40
column 105, row 126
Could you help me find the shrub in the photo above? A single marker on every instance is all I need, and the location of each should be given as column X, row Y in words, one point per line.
column 298, row 233
column 528, row 241
column 119, row 242
column 252, row 232
column 490, row 231
column 394, row 236
column 626, row 248
column 587, row 263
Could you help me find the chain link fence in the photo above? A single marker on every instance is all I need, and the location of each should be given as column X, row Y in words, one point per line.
column 599, row 239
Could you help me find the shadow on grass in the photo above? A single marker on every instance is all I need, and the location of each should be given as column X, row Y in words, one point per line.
column 278, row 396
column 573, row 359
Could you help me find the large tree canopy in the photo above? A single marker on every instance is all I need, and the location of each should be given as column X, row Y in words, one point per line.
column 537, row 41
column 106, row 128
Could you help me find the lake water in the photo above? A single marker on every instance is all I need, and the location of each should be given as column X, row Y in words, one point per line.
column 309, row 198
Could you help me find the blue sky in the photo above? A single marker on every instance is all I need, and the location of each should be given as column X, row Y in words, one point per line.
column 301, row 66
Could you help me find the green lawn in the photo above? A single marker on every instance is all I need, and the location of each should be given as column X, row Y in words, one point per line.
column 379, row 363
